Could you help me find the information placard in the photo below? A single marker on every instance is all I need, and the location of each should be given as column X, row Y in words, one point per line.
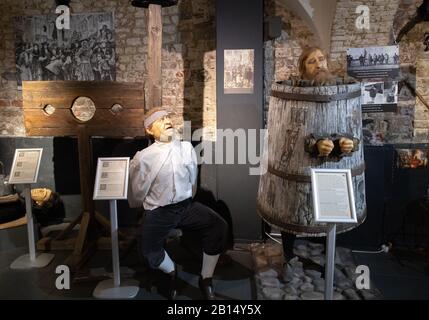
column 25, row 166
column 333, row 197
column 111, row 180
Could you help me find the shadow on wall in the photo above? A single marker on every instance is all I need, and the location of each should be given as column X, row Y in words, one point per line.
column 199, row 38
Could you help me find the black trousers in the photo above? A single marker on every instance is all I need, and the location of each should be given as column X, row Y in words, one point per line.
column 187, row 216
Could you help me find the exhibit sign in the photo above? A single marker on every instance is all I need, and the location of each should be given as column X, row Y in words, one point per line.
column 25, row 166
column 373, row 62
column 379, row 96
column 333, row 197
column 111, row 180
column 239, row 68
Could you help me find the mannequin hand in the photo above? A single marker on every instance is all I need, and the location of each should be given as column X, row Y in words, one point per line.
column 346, row 145
column 325, row 147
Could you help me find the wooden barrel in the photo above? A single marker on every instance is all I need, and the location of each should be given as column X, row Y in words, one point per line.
column 295, row 112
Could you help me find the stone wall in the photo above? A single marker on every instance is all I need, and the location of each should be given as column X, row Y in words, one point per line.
column 410, row 124
column 282, row 53
column 188, row 58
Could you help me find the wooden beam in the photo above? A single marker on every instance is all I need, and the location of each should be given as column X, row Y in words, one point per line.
column 154, row 82
column 63, row 118
column 69, row 228
column 13, row 224
column 85, row 171
column 39, row 100
column 106, row 224
column 115, row 88
column 80, row 241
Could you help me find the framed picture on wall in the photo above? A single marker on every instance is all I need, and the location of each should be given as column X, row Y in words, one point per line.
column 412, row 158
column 239, row 68
column 373, row 62
column 379, row 96
column 85, row 52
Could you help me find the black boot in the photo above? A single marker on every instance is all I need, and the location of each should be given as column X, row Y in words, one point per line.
column 172, row 288
column 206, row 288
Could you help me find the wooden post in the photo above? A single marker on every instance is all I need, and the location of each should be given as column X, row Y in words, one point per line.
column 154, row 81
column 85, row 165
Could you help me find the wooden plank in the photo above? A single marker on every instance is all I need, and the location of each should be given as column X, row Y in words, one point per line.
column 63, row 118
column 76, row 261
column 154, row 57
column 101, row 132
column 48, row 244
column 44, row 244
column 106, row 224
column 13, row 224
column 80, row 240
column 69, row 228
column 66, row 101
column 61, row 86
column 85, row 171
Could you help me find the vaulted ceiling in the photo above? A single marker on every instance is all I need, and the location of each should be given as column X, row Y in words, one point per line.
column 319, row 16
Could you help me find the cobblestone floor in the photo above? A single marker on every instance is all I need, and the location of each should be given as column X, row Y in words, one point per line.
column 296, row 282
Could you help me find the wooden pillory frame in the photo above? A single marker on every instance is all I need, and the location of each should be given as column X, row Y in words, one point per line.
column 105, row 122
column 48, row 112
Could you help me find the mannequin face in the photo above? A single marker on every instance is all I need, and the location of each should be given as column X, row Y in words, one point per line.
column 315, row 65
column 162, row 129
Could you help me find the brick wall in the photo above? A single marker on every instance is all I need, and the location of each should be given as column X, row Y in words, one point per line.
column 410, row 124
column 188, row 57
column 281, row 54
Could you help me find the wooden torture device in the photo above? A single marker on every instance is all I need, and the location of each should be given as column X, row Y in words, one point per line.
column 93, row 108
column 296, row 112
column 83, row 109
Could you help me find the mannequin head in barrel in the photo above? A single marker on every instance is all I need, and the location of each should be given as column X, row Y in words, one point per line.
column 158, row 125
column 313, row 65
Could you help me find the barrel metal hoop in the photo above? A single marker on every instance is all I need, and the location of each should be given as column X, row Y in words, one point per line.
column 303, row 178
column 313, row 230
column 315, row 97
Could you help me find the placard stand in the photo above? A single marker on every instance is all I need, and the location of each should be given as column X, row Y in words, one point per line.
column 330, row 261
column 113, row 172
column 31, row 260
column 335, row 186
column 113, row 288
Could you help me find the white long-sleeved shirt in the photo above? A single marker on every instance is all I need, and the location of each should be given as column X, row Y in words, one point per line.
column 162, row 174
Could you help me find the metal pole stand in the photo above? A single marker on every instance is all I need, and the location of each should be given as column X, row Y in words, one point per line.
column 31, row 260
column 330, row 262
column 112, row 288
